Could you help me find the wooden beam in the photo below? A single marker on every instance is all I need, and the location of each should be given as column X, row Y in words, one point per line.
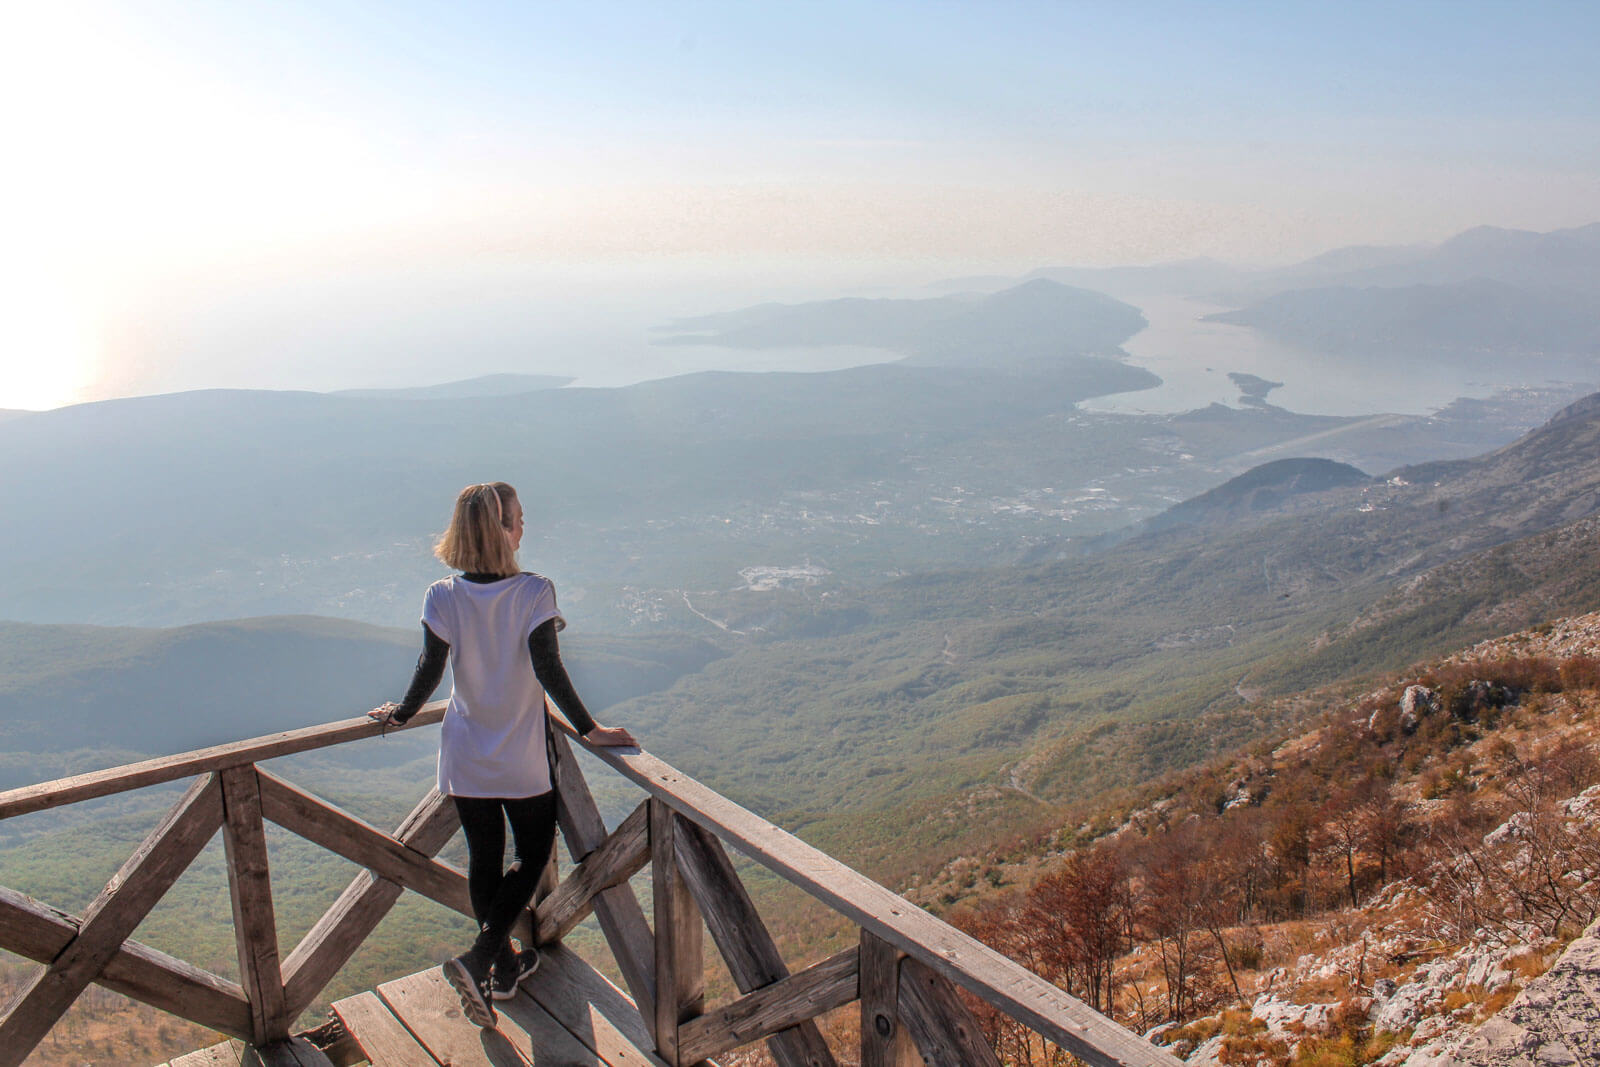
column 40, row 932
column 617, row 909
column 61, row 791
column 111, row 918
column 340, row 832
column 1060, row 1018
column 743, row 939
column 772, row 1010
column 285, row 1052
column 623, row 854
column 680, row 957
column 329, row 944
column 255, row 925
column 945, row 1031
column 884, row 1041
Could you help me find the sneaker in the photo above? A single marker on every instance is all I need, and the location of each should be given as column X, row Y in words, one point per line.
column 509, row 973
column 471, row 982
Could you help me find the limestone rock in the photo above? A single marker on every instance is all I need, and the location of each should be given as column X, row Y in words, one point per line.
column 1554, row 1021
column 1208, row 1054
column 1416, row 703
column 1290, row 1022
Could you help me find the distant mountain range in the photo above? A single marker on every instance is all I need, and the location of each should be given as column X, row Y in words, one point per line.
column 1039, row 319
column 1566, row 259
column 1490, row 319
column 1561, row 259
column 485, row 385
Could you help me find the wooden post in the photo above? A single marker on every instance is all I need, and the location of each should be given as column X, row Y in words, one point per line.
column 621, row 919
column 679, row 937
column 884, row 1041
column 255, row 927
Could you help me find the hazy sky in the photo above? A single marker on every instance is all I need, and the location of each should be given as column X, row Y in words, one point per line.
column 336, row 194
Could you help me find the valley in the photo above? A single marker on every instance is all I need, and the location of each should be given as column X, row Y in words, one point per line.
column 906, row 610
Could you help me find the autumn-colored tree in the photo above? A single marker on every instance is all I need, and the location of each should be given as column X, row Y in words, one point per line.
column 1080, row 913
column 1001, row 923
column 1170, row 905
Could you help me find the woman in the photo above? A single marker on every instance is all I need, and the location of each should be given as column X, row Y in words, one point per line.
column 496, row 625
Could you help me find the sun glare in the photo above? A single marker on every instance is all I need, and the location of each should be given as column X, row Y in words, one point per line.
column 50, row 357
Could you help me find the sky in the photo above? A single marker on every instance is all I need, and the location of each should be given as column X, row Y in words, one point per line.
column 330, row 195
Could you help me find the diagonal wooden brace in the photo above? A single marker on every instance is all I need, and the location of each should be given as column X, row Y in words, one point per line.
column 946, row 1033
column 621, row 918
column 622, row 855
column 330, row 943
column 772, row 1009
column 341, row 833
column 111, row 918
column 742, row 938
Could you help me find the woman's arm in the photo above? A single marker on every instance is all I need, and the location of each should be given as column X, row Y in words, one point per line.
column 552, row 674
column 424, row 680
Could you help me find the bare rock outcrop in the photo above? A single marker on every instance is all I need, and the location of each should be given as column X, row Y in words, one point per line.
column 1555, row 1020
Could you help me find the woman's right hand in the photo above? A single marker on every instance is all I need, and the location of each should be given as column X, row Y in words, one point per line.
column 385, row 714
column 610, row 736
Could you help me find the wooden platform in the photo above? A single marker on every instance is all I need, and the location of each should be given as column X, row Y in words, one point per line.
column 567, row 1013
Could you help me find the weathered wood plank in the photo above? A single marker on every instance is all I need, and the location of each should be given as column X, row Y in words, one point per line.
column 40, row 932
column 224, row 1055
column 286, row 1052
column 339, row 832
column 781, row 1006
column 111, row 917
column 743, row 939
column 431, row 1010
column 255, row 926
column 1060, row 1018
column 538, row 1036
column 680, row 955
column 617, row 909
column 597, row 1012
column 884, row 1041
column 341, row 930
column 382, row 1037
column 945, row 1031
column 113, row 780
column 623, row 854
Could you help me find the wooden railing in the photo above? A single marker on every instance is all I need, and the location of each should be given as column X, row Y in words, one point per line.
column 904, row 969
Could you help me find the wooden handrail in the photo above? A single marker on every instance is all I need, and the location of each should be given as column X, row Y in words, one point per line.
column 113, row 780
column 903, row 971
column 995, row 978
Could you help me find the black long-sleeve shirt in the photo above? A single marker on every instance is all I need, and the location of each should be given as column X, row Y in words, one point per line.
column 543, row 650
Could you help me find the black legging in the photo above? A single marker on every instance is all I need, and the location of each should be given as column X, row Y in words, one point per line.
column 499, row 894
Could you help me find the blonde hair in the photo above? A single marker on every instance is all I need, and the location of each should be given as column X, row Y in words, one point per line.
column 476, row 540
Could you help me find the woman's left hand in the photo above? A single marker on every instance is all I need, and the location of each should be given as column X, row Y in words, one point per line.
column 610, row 736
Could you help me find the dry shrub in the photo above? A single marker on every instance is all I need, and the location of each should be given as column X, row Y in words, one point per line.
column 1580, row 672
column 1529, row 965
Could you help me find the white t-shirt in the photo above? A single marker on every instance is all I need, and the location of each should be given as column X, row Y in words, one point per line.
column 493, row 741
